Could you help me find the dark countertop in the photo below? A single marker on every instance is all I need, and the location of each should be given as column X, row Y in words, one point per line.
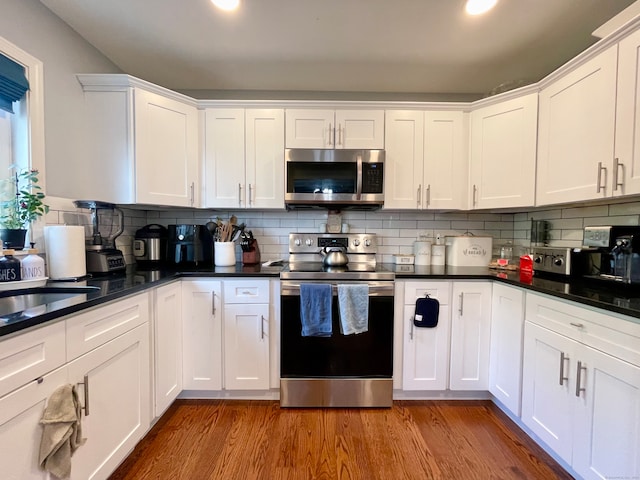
column 615, row 298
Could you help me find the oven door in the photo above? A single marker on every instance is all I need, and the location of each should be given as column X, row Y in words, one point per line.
column 341, row 370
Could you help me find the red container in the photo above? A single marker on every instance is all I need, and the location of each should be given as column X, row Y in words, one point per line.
column 526, row 268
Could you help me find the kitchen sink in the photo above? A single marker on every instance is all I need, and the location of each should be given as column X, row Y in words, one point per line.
column 21, row 304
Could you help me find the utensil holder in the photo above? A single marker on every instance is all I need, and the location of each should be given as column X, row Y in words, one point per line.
column 224, row 254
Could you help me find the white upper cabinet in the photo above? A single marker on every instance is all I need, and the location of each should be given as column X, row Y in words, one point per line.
column 425, row 159
column 244, row 158
column 141, row 144
column 321, row 128
column 503, row 153
column 576, row 132
column 625, row 174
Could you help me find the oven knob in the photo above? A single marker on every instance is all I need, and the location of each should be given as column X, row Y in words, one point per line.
column 367, row 242
column 356, row 243
column 297, row 242
column 538, row 259
column 308, row 242
column 558, row 262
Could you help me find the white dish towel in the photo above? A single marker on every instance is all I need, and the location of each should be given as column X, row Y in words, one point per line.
column 353, row 302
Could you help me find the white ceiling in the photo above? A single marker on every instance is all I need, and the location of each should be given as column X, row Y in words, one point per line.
column 397, row 46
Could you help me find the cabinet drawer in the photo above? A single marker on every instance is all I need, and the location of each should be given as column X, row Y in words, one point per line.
column 604, row 331
column 30, row 355
column 243, row 291
column 415, row 290
column 91, row 329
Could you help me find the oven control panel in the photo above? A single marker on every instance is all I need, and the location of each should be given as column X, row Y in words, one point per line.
column 314, row 242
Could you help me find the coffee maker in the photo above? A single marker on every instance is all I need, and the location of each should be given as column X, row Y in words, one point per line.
column 614, row 252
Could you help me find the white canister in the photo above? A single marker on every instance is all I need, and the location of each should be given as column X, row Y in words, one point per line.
column 438, row 254
column 33, row 266
column 224, row 254
column 422, row 252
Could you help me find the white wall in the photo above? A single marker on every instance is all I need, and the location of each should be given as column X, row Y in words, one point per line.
column 32, row 27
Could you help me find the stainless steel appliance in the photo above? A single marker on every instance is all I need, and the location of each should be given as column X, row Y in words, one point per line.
column 189, row 245
column 614, row 251
column 556, row 260
column 107, row 225
column 340, row 370
column 334, row 178
column 150, row 245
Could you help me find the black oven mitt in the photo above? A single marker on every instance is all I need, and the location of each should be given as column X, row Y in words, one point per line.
column 427, row 310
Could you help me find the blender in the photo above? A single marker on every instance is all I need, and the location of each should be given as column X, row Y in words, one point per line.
column 107, row 224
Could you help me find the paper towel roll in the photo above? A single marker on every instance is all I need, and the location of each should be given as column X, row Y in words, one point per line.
column 65, row 248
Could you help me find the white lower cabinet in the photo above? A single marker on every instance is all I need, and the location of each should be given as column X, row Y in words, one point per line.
column 577, row 397
column 114, row 389
column 505, row 359
column 470, row 335
column 425, row 362
column 167, row 335
column 246, row 334
column 202, row 334
column 20, row 430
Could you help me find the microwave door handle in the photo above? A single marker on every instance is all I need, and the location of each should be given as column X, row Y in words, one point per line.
column 359, row 177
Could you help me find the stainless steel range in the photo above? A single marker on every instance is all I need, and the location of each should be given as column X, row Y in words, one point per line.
column 338, row 370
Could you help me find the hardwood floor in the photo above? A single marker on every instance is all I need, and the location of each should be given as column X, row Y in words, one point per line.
column 223, row 439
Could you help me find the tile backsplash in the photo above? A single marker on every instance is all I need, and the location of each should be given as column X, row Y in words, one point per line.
column 396, row 230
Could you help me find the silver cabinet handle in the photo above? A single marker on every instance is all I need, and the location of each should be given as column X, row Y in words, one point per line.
column 617, row 166
column 85, row 383
column 460, row 310
column 563, row 357
column 600, row 186
column 261, row 327
column 331, row 134
column 428, row 195
column 193, row 195
column 340, row 134
column 419, row 196
column 577, row 325
column 411, row 331
column 250, row 193
column 213, row 303
column 239, row 194
column 579, row 378
column 473, row 195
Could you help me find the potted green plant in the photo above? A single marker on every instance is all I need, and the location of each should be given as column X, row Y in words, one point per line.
column 22, row 204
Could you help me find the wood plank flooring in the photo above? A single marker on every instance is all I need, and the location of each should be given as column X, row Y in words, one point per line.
column 223, row 439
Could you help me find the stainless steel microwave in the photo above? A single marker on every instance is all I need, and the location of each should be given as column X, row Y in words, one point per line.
column 334, row 178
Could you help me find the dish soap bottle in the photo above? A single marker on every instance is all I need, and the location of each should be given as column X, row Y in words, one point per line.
column 9, row 267
column 32, row 266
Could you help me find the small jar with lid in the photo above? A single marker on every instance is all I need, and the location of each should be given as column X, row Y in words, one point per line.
column 9, row 267
column 32, row 266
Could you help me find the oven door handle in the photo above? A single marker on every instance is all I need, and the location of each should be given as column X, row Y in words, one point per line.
column 376, row 289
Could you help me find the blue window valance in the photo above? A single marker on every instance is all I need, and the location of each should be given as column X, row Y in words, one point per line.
column 13, row 83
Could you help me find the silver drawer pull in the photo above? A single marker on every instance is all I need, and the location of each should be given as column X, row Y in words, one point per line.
column 579, row 379
column 577, row 325
column 563, row 357
column 411, row 331
column 85, row 383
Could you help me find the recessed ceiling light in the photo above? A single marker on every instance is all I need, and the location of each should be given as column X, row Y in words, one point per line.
column 476, row 7
column 226, row 4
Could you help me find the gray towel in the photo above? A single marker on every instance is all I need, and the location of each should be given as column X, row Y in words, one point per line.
column 353, row 301
column 61, row 432
column 315, row 309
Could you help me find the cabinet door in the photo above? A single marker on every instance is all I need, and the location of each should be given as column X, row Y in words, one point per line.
column 20, row 430
column 549, row 367
column 202, row 335
column 359, row 129
column 264, row 158
column 224, row 166
column 114, row 388
column 166, row 150
column 404, row 159
column 167, row 345
column 607, row 421
column 470, row 336
column 503, row 153
column 445, row 160
column 425, row 362
column 576, row 132
column 309, row 128
column 625, row 175
column 246, row 346
column 505, row 362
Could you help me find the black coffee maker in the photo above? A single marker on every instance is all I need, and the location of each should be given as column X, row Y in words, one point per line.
column 189, row 245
